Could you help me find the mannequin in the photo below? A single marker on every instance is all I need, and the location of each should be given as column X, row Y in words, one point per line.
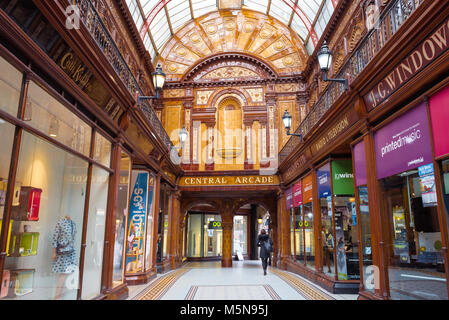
column 63, row 236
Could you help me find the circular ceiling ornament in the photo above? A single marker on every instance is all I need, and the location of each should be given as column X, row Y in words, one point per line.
column 248, row 27
column 212, row 29
column 229, row 25
column 181, row 51
column 279, row 45
column 172, row 67
column 288, row 61
column 265, row 33
column 195, row 38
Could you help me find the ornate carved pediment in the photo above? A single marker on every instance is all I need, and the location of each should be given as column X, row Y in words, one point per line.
column 230, row 73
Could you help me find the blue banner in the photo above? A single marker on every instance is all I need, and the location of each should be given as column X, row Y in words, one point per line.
column 136, row 224
column 323, row 176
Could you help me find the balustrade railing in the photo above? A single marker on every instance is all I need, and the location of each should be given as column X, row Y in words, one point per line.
column 94, row 24
column 389, row 23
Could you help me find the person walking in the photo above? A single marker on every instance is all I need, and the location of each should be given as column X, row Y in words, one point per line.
column 266, row 247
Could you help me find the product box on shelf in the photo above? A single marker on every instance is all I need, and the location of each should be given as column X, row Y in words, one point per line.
column 3, row 186
column 9, row 231
column 28, row 208
column 21, row 282
column 16, row 195
column 23, row 244
column 5, row 284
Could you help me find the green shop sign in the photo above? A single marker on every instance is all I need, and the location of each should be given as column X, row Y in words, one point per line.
column 342, row 177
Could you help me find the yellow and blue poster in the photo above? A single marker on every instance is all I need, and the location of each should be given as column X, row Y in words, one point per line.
column 136, row 222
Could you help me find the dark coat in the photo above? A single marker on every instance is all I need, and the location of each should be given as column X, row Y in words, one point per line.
column 261, row 238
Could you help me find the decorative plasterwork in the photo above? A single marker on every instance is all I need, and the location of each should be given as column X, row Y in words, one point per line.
column 230, row 73
column 256, row 94
column 202, row 97
column 243, row 31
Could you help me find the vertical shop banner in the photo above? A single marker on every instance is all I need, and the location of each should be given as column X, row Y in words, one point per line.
column 342, row 268
column 323, row 176
column 440, row 119
column 289, row 198
column 427, row 183
column 297, row 195
column 307, row 189
column 342, row 177
column 136, row 224
column 360, row 164
column 403, row 144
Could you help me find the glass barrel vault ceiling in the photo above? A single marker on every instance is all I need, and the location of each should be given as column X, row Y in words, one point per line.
column 308, row 18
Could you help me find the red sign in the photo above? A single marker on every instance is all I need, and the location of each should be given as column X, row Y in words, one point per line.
column 421, row 57
column 439, row 113
column 297, row 194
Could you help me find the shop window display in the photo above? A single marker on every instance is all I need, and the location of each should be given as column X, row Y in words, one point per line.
column 43, row 255
column 121, row 220
column 445, row 172
column 416, row 266
column 309, row 240
column 240, row 242
column 194, row 234
column 46, row 114
column 205, row 235
column 213, row 235
column 327, row 224
column 93, row 260
column 7, row 134
column 10, row 85
column 365, row 235
column 102, row 150
column 307, row 212
column 346, row 237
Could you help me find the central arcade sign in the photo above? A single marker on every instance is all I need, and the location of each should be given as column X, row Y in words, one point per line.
column 429, row 50
column 228, row 181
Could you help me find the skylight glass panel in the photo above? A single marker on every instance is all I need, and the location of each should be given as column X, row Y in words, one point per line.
column 201, row 7
column 160, row 30
column 280, row 11
column 148, row 5
column 179, row 13
column 149, row 46
column 310, row 8
column 299, row 27
column 257, row 5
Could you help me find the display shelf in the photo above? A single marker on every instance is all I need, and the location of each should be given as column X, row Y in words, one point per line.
column 21, row 282
column 23, row 244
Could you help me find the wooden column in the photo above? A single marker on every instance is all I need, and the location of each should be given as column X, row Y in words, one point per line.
column 376, row 219
column 109, row 237
column 227, row 222
column 175, row 231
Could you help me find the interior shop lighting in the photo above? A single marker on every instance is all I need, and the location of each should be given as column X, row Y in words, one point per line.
column 54, row 127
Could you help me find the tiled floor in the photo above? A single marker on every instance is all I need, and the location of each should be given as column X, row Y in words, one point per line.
column 244, row 281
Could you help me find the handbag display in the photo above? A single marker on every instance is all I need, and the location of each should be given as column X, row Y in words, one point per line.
column 23, row 244
column 21, row 282
column 9, row 233
column 3, row 186
column 69, row 248
column 28, row 206
column 5, row 284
